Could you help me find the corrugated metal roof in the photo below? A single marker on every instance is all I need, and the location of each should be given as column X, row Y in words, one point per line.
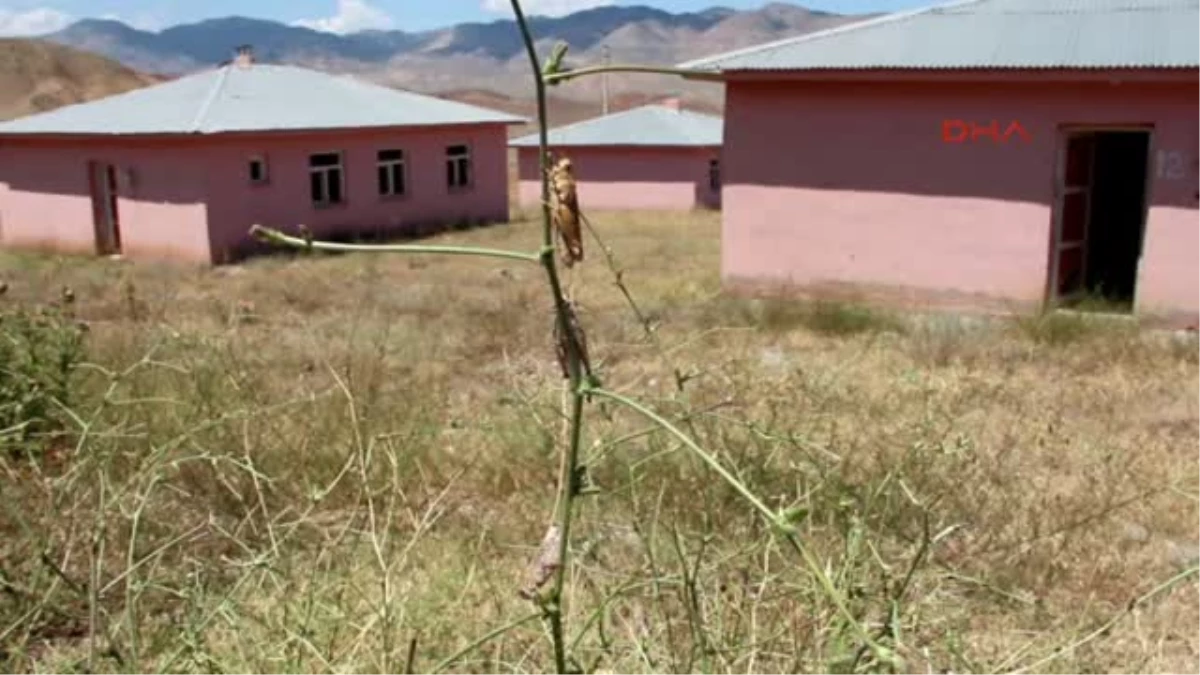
column 651, row 125
column 992, row 34
column 260, row 97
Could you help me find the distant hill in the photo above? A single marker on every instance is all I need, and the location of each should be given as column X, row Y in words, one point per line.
column 36, row 76
column 481, row 56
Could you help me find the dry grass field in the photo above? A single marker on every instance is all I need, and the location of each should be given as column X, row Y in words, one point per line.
column 344, row 463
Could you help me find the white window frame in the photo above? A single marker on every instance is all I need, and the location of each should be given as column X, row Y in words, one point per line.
column 391, row 165
column 266, row 169
column 325, row 171
column 457, row 184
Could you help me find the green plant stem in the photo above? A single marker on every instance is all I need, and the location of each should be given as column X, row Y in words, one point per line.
column 565, row 75
column 773, row 519
column 686, row 440
column 564, row 509
column 278, row 237
column 484, row 639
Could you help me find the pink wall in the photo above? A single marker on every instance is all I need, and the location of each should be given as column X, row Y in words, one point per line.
column 191, row 199
column 830, row 183
column 285, row 202
column 48, row 206
column 630, row 177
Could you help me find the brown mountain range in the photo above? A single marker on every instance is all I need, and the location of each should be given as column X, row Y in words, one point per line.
column 469, row 56
column 481, row 63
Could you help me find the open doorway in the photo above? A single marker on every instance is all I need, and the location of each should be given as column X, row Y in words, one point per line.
column 104, row 208
column 1100, row 217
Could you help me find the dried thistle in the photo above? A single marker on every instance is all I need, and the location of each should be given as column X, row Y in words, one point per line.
column 545, row 565
column 566, row 216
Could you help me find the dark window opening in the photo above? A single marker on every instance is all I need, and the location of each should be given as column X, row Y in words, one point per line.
column 458, row 167
column 325, row 178
column 714, row 175
column 258, row 170
column 318, row 188
column 391, row 173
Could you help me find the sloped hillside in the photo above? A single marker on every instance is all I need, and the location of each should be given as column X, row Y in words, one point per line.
column 36, row 76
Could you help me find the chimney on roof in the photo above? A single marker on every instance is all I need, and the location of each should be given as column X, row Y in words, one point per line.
column 671, row 102
column 244, row 56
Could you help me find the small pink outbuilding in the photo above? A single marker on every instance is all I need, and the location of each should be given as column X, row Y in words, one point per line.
column 183, row 169
column 982, row 153
column 655, row 157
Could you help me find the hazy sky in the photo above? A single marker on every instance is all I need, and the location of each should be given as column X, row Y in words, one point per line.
column 32, row 17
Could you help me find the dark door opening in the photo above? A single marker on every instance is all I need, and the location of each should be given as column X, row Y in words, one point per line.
column 1100, row 218
column 104, row 208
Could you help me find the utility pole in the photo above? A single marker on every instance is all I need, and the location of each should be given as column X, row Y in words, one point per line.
column 604, row 84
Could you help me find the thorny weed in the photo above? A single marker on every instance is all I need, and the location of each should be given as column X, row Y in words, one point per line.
column 562, row 220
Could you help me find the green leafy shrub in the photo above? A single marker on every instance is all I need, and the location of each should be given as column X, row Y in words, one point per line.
column 39, row 352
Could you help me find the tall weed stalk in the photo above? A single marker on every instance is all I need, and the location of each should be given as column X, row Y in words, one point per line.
column 549, row 569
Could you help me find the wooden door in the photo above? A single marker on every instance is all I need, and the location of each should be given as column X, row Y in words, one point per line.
column 104, row 208
column 1072, row 210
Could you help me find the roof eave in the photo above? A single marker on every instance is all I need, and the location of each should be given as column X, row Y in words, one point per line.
column 702, row 75
column 226, row 133
column 974, row 73
column 98, row 136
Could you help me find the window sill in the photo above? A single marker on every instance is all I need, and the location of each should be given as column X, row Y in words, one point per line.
column 322, row 206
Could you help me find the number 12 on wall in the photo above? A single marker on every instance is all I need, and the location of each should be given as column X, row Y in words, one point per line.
column 1170, row 165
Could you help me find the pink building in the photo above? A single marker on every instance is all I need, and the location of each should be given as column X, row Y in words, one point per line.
column 652, row 157
column 183, row 169
column 1006, row 154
